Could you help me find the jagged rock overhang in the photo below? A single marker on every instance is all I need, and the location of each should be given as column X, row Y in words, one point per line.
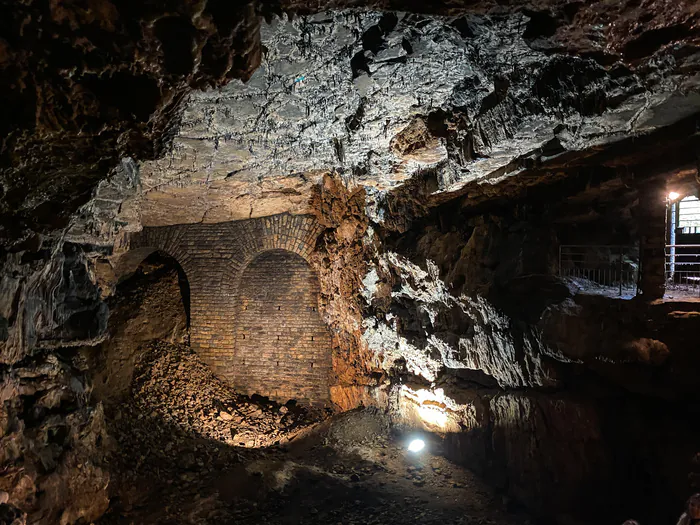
column 670, row 154
column 567, row 113
column 48, row 169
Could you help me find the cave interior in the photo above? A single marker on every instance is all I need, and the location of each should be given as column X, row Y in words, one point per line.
column 349, row 262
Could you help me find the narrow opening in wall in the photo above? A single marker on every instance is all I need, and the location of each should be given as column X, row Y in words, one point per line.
column 159, row 267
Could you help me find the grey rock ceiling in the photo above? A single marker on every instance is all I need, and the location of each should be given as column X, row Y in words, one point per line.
column 498, row 89
column 335, row 89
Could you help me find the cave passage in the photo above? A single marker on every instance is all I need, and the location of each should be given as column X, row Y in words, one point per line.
column 682, row 255
column 360, row 262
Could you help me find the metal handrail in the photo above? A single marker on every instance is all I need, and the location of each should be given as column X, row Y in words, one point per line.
column 595, row 246
column 600, row 268
column 682, row 269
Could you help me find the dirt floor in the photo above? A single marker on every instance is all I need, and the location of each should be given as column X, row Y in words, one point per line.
column 187, row 449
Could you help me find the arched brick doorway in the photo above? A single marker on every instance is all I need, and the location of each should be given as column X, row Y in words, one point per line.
column 130, row 262
column 282, row 347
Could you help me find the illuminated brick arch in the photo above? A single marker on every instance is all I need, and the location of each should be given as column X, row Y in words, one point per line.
column 282, row 347
column 214, row 257
column 128, row 262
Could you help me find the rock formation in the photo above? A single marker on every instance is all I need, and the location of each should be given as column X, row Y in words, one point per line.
column 426, row 162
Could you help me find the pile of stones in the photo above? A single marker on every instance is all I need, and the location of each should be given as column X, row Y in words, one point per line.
column 181, row 421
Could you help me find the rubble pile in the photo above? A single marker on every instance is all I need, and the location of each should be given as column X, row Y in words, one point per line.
column 178, row 404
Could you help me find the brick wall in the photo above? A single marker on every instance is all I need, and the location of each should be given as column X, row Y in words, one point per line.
column 214, row 257
column 282, row 346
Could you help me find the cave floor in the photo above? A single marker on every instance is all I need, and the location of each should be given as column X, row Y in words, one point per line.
column 350, row 469
column 187, row 449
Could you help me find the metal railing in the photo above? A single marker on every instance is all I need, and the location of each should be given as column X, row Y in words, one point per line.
column 601, row 269
column 683, row 269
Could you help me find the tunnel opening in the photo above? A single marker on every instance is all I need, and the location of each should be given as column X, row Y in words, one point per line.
column 144, row 266
column 682, row 253
column 150, row 303
column 160, row 262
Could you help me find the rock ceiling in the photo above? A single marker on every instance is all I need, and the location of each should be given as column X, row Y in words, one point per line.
column 486, row 92
column 380, row 98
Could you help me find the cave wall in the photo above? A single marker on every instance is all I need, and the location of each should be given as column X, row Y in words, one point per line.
column 544, row 89
column 49, row 299
column 469, row 303
column 52, row 437
column 567, row 401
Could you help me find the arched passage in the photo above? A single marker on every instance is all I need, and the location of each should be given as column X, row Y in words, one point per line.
column 150, row 303
column 144, row 260
column 282, row 347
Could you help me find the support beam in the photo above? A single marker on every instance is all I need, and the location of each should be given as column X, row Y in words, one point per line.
column 652, row 229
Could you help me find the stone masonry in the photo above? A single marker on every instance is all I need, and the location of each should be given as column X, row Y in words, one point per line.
column 282, row 345
column 217, row 261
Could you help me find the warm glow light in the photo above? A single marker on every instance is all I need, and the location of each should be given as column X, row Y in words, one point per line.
column 672, row 196
column 433, row 415
column 431, row 409
column 416, row 445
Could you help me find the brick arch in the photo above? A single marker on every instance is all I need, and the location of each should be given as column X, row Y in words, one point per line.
column 213, row 257
column 142, row 244
column 282, row 348
column 128, row 262
column 295, row 233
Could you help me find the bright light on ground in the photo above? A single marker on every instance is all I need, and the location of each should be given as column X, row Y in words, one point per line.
column 672, row 196
column 416, row 445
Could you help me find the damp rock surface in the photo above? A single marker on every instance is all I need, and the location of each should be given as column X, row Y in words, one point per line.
column 70, row 72
column 446, row 151
column 53, row 442
column 386, row 97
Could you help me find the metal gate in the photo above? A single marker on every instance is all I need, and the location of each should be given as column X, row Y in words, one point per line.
column 683, row 270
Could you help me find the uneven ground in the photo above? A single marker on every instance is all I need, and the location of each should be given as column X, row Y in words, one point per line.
column 184, row 455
